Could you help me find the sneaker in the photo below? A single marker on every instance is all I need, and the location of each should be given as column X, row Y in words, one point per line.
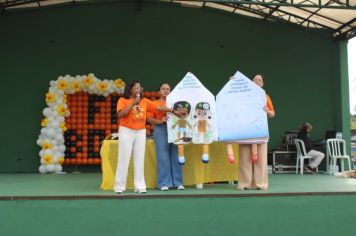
column 119, row 191
column 180, row 187
column 309, row 169
column 164, row 188
column 140, row 190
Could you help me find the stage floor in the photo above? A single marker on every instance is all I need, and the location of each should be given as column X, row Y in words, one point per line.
column 86, row 185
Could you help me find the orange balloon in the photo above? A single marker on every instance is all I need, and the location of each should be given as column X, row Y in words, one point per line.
column 97, row 161
column 90, row 161
column 84, row 161
column 73, row 161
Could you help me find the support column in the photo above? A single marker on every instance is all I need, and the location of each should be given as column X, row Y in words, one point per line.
column 345, row 97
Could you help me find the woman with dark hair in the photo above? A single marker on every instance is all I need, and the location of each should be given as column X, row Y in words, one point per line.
column 253, row 172
column 169, row 170
column 132, row 112
column 314, row 162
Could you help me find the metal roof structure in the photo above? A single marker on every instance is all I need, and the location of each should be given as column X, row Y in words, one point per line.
column 336, row 16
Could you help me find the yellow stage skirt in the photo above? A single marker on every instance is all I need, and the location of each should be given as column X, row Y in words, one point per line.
column 194, row 171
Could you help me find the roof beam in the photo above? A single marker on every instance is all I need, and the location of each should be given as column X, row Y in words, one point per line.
column 347, row 34
column 299, row 19
column 287, row 3
column 14, row 3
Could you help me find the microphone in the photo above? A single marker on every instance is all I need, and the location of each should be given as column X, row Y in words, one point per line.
column 138, row 96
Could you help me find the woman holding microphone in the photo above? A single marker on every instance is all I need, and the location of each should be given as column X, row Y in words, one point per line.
column 132, row 112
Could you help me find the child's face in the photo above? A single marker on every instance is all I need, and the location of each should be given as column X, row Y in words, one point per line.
column 202, row 114
column 182, row 112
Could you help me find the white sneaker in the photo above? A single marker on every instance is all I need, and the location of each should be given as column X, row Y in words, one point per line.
column 119, row 191
column 140, row 191
column 180, row 187
column 164, row 188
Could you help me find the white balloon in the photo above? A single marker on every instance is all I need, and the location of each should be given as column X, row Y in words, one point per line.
column 51, row 133
column 55, row 159
column 44, row 131
column 54, row 114
column 55, row 149
column 41, row 153
column 39, row 142
column 48, row 152
column 58, row 168
column 42, row 169
column 47, row 112
column 59, row 138
column 54, row 124
column 50, row 167
column 62, row 148
column 60, row 119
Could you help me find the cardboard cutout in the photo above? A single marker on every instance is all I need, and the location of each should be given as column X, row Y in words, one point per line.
column 194, row 118
column 240, row 114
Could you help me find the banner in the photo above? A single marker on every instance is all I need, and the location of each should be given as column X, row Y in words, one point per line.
column 240, row 114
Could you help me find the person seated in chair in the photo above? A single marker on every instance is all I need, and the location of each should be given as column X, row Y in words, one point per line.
column 314, row 162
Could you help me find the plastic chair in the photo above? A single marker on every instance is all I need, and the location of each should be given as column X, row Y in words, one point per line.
column 301, row 155
column 336, row 149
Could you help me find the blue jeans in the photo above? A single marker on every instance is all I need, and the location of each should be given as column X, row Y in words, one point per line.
column 169, row 170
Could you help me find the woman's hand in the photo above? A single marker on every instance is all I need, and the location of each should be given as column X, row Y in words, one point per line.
column 164, row 119
column 270, row 114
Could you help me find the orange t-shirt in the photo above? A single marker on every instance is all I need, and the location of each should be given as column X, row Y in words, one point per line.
column 156, row 114
column 269, row 103
column 159, row 114
column 136, row 118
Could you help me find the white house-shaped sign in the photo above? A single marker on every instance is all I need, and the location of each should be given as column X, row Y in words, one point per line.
column 196, row 106
column 240, row 114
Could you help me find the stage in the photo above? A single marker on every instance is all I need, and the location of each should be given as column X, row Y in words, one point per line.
column 73, row 204
column 86, row 186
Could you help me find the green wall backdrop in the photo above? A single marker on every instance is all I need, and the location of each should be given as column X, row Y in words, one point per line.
column 158, row 43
